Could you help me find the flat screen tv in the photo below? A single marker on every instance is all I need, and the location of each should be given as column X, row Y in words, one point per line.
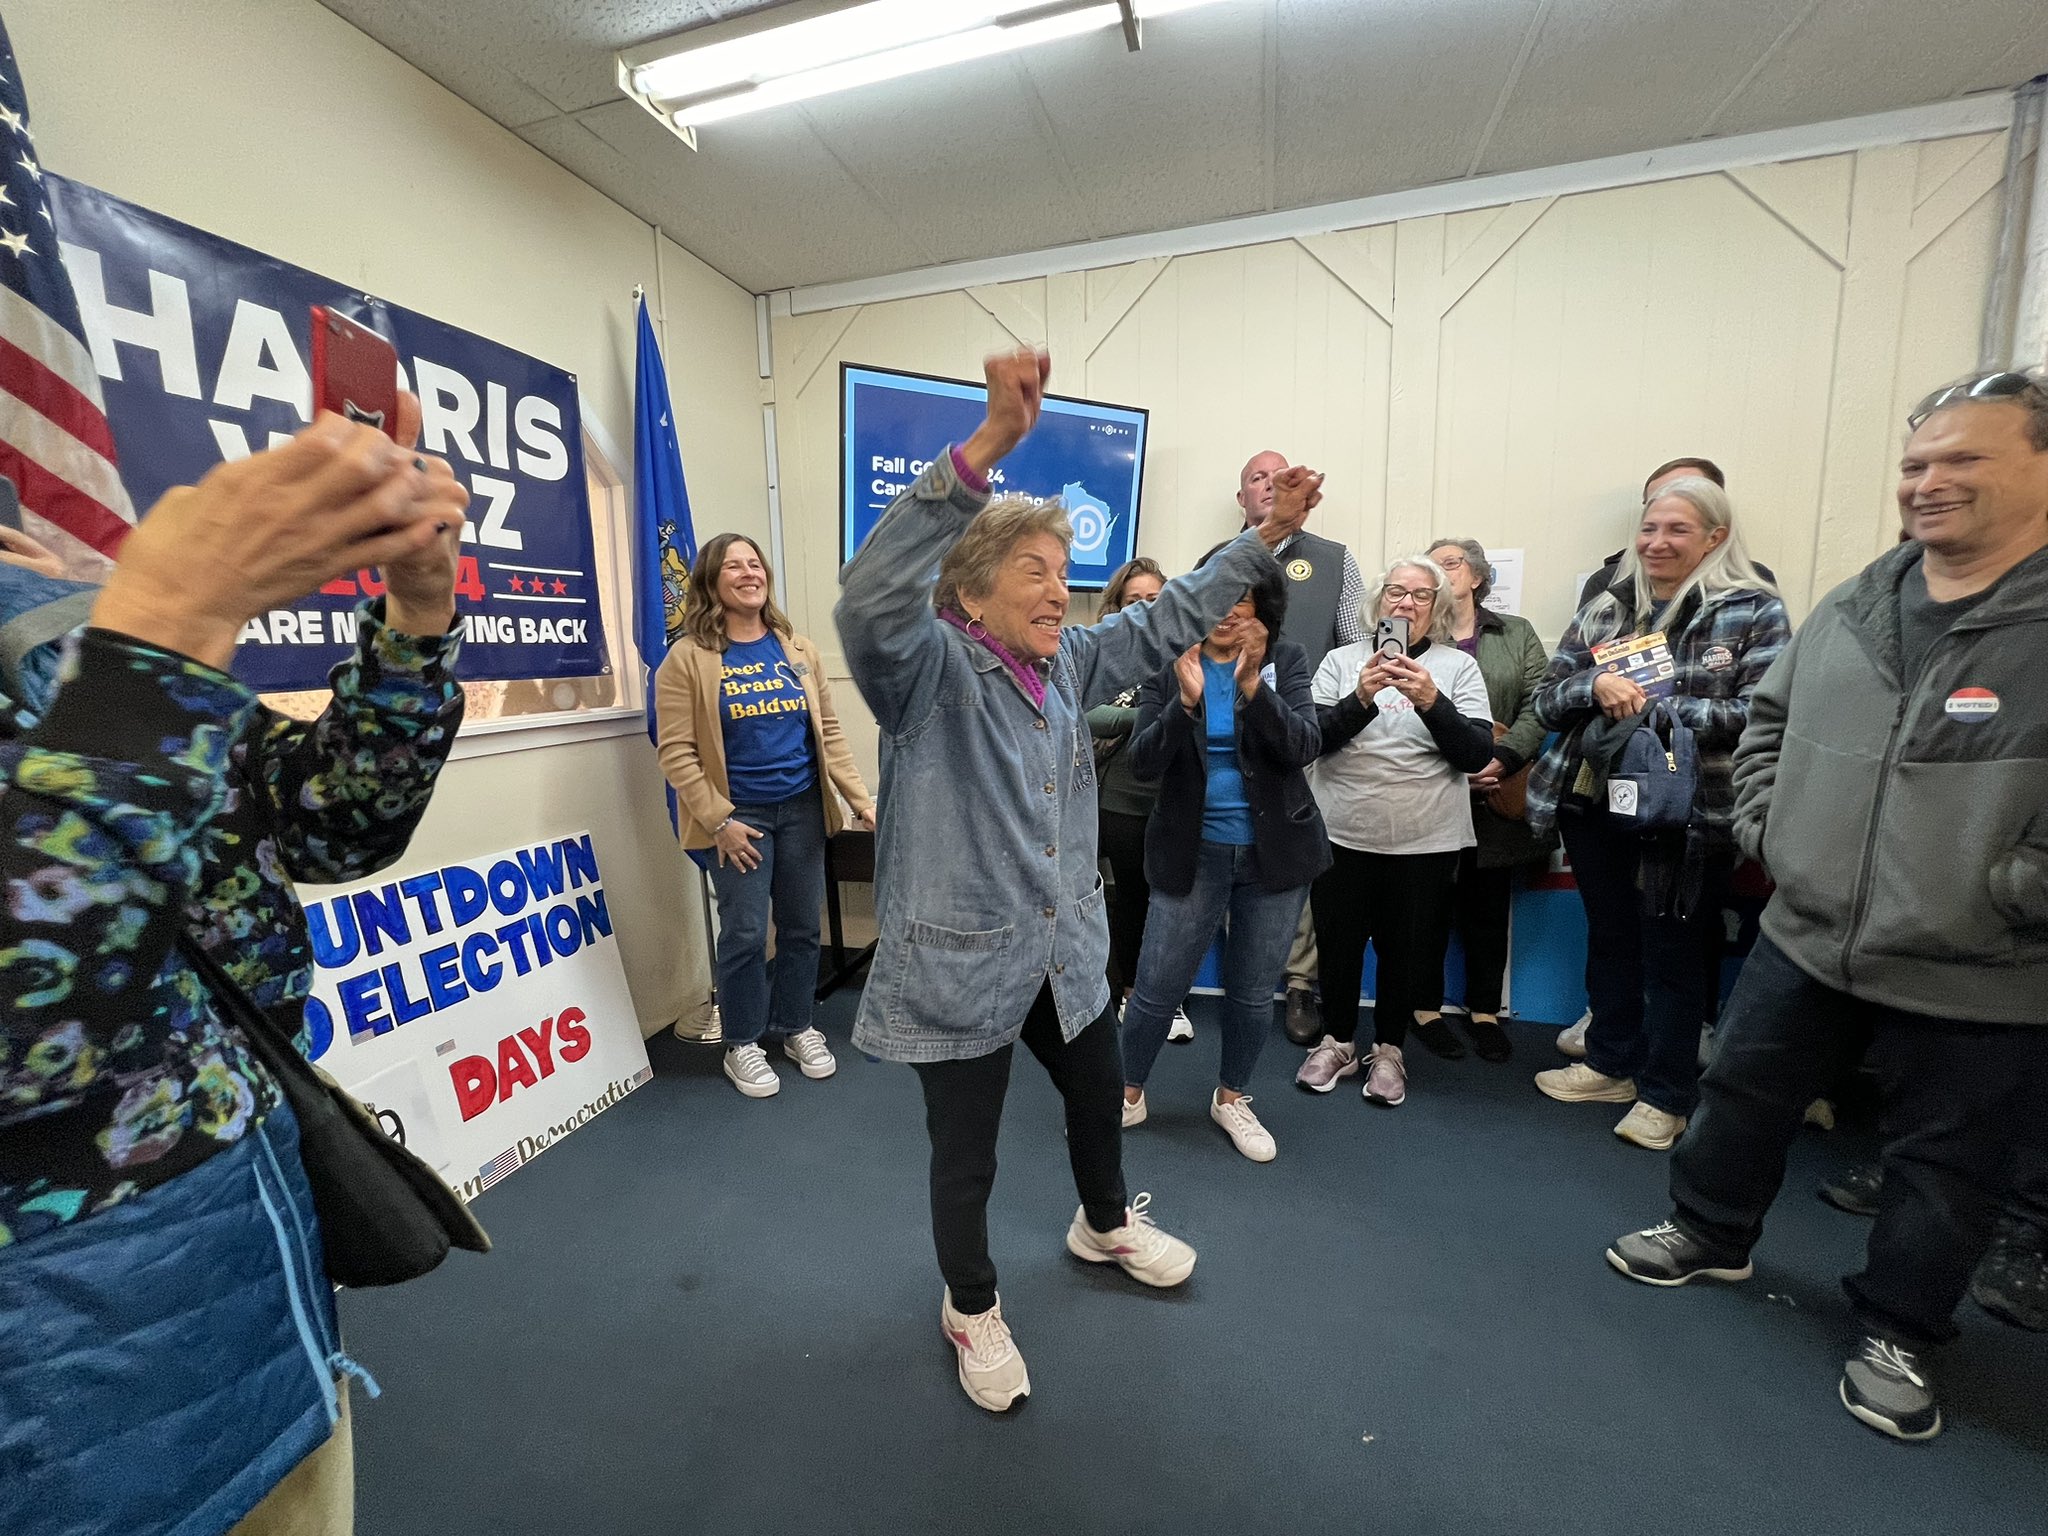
column 1090, row 455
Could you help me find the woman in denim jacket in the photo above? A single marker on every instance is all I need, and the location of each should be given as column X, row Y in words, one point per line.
column 987, row 898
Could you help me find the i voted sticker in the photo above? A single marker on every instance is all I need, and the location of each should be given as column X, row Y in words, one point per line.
column 1971, row 704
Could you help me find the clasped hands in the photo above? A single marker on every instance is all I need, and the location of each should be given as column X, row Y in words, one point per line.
column 1405, row 675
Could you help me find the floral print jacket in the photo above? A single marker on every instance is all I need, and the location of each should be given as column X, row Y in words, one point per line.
column 158, row 794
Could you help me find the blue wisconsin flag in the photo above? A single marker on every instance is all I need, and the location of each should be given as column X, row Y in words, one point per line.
column 664, row 542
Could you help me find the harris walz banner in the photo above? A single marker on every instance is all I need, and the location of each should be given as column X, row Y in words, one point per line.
column 202, row 348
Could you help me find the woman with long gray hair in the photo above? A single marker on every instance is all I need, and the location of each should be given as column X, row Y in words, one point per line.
column 1653, row 901
column 987, row 898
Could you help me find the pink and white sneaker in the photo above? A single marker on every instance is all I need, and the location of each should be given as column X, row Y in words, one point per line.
column 1386, row 1079
column 991, row 1371
column 1138, row 1247
column 1330, row 1060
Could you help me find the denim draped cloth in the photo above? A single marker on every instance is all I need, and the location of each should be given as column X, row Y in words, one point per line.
column 986, row 886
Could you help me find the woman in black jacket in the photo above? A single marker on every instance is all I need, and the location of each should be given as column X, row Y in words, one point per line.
column 1227, row 731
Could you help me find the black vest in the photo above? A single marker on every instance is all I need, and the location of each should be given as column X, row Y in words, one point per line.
column 1314, row 568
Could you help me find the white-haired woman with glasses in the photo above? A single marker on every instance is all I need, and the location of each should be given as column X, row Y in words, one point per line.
column 1403, row 726
column 1513, row 660
column 1653, row 902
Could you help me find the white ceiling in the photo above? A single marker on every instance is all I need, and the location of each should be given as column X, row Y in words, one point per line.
column 1246, row 107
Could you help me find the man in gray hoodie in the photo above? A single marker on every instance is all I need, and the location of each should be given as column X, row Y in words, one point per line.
column 1894, row 781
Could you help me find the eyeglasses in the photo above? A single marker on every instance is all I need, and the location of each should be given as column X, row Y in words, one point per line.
column 1422, row 597
column 1992, row 386
column 1450, row 562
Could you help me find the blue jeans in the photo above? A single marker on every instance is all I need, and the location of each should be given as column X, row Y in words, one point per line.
column 1178, row 931
column 789, row 882
column 1646, row 977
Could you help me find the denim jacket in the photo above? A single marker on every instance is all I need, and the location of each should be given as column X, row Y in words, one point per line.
column 985, row 878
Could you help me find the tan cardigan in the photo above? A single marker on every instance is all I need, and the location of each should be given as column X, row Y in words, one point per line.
column 692, row 743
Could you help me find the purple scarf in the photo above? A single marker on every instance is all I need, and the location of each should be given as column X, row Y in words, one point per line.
column 1027, row 676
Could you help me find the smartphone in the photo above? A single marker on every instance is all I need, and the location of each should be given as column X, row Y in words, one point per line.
column 1391, row 637
column 10, row 505
column 355, row 371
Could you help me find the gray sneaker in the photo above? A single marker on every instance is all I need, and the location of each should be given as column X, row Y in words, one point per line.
column 1666, row 1255
column 813, row 1057
column 747, row 1066
column 1884, row 1385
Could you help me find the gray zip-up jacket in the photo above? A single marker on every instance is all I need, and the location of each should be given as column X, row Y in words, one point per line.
column 985, row 881
column 1907, row 829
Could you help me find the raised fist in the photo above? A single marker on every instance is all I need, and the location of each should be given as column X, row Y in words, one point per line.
column 1016, row 390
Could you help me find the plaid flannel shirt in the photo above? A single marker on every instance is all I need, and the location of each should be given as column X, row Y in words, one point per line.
column 1721, row 651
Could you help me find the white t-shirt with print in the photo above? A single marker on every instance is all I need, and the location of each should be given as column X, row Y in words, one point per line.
column 1390, row 789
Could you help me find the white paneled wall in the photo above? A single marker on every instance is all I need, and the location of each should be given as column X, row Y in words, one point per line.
column 1508, row 373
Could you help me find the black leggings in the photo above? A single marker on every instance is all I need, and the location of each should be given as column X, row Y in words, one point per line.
column 1122, row 841
column 1478, row 913
column 963, row 1112
column 1397, row 901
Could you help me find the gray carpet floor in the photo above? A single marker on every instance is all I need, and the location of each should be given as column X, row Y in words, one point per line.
column 708, row 1314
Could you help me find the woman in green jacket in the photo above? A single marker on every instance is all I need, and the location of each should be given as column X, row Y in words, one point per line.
column 1512, row 660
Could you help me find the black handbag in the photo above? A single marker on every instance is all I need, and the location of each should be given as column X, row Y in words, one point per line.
column 385, row 1215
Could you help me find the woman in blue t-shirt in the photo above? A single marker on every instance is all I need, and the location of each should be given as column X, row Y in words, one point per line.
column 746, row 724
column 1234, row 839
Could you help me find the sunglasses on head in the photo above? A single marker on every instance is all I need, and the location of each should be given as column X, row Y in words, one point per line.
column 1992, row 386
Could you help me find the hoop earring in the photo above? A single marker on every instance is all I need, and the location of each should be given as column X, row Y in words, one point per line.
column 977, row 629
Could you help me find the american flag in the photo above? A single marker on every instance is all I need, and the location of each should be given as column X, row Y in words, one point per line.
column 54, row 441
column 498, row 1167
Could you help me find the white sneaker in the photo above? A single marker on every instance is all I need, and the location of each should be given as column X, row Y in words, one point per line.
column 991, row 1371
column 747, row 1066
column 1648, row 1126
column 1236, row 1117
column 1139, row 1248
column 1580, row 1084
column 1134, row 1114
column 1572, row 1042
column 1182, row 1027
column 809, row 1051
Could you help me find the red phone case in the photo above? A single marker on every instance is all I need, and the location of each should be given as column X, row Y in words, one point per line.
column 355, row 371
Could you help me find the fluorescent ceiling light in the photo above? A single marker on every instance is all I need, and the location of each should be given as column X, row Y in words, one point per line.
column 710, row 74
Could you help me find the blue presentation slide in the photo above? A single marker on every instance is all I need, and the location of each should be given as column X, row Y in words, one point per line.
column 1090, row 456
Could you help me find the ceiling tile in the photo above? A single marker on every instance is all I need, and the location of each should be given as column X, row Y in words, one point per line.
column 454, row 59
column 1380, row 96
column 1911, row 55
column 562, row 53
column 766, row 206
column 1657, row 68
column 1171, row 135
column 975, row 125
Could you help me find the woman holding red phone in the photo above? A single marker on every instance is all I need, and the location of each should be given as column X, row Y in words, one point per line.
column 156, row 1229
